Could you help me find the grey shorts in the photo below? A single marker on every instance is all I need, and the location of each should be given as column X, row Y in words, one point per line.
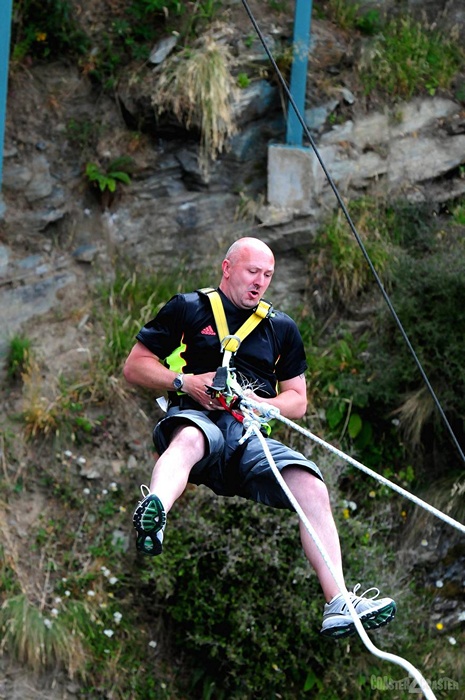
column 230, row 469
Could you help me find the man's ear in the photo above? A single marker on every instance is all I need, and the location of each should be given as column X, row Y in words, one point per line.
column 226, row 266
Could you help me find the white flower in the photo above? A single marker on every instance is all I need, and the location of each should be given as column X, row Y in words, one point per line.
column 439, row 583
column 424, row 543
column 57, row 600
column 109, row 633
column 452, row 640
column 112, row 580
column 90, row 593
column 113, row 486
column 153, row 644
column 67, row 594
column 104, row 492
column 81, row 460
column 54, row 612
column 48, row 623
column 68, row 454
column 106, row 572
column 117, row 616
column 86, row 492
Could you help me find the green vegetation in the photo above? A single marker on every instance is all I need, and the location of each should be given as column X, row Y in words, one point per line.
column 55, row 409
column 43, row 639
column 407, row 59
column 19, row 356
column 107, row 179
column 371, row 389
column 243, row 80
column 340, row 259
column 232, row 610
column 46, row 29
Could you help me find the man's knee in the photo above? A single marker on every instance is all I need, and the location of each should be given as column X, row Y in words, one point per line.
column 189, row 437
column 306, row 485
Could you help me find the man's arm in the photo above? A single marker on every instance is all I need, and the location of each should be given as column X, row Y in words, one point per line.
column 291, row 399
column 145, row 369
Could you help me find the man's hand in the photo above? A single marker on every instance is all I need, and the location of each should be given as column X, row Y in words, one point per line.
column 195, row 385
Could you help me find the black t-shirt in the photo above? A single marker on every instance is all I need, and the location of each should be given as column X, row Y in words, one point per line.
column 184, row 336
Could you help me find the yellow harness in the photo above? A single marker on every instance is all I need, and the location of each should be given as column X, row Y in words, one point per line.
column 230, row 344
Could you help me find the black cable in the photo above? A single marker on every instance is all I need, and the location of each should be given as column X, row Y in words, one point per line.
column 352, row 227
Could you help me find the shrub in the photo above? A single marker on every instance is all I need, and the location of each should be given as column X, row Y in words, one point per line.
column 40, row 640
column 106, row 180
column 340, row 263
column 19, row 356
column 243, row 602
column 408, row 58
column 428, row 297
column 45, row 29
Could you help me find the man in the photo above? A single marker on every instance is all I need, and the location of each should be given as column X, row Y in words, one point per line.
column 198, row 441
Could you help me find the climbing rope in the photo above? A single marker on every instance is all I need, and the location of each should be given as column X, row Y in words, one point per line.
column 254, row 415
column 353, row 229
column 268, row 413
column 386, row 656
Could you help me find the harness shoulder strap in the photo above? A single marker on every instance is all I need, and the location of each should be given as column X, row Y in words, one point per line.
column 218, row 312
column 228, row 342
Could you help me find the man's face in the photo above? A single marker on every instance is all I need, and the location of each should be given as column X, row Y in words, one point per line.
column 247, row 277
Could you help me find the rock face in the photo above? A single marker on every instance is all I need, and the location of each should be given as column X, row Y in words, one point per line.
column 55, row 234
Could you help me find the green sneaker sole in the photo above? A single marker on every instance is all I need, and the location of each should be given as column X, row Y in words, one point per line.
column 371, row 621
column 148, row 519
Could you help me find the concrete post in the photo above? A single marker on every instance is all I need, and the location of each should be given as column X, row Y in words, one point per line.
column 293, row 178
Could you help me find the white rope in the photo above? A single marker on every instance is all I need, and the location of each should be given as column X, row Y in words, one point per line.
column 272, row 412
column 252, row 424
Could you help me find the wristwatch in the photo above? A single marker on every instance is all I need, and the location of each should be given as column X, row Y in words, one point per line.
column 178, row 382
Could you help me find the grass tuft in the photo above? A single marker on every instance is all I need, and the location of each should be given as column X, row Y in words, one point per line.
column 43, row 641
column 197, row 87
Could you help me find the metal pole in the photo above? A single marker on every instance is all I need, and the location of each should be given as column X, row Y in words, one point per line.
column 5, row 31
column 301, row 48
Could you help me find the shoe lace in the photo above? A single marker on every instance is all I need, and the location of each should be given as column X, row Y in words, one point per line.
column 144, row 491
column 364, row 594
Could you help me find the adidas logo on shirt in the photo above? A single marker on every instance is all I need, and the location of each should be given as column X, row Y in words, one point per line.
column 208, row 330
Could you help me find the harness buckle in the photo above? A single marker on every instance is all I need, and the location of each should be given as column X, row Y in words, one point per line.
column 231, row 343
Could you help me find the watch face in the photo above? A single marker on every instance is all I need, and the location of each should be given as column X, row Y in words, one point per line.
column 178, row 382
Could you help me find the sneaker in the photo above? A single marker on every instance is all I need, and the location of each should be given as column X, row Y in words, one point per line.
column 149, row 520
column 373, row 612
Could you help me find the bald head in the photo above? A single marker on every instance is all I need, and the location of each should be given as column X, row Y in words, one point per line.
column 247, row 271
column 247, row 244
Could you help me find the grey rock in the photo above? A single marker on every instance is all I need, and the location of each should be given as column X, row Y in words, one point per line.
column 162, row 49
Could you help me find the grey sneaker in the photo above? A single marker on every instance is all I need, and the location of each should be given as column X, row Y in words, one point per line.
column 149, row 520
column 373, row 612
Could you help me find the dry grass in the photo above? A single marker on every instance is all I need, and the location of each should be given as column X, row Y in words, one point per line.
column 41, row 641
column 197, row 87
column 40, row 413
column 414, row 413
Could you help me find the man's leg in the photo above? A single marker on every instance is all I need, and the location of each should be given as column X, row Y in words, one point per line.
column 171, row 471
column 169, row 480
column 312, row 496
